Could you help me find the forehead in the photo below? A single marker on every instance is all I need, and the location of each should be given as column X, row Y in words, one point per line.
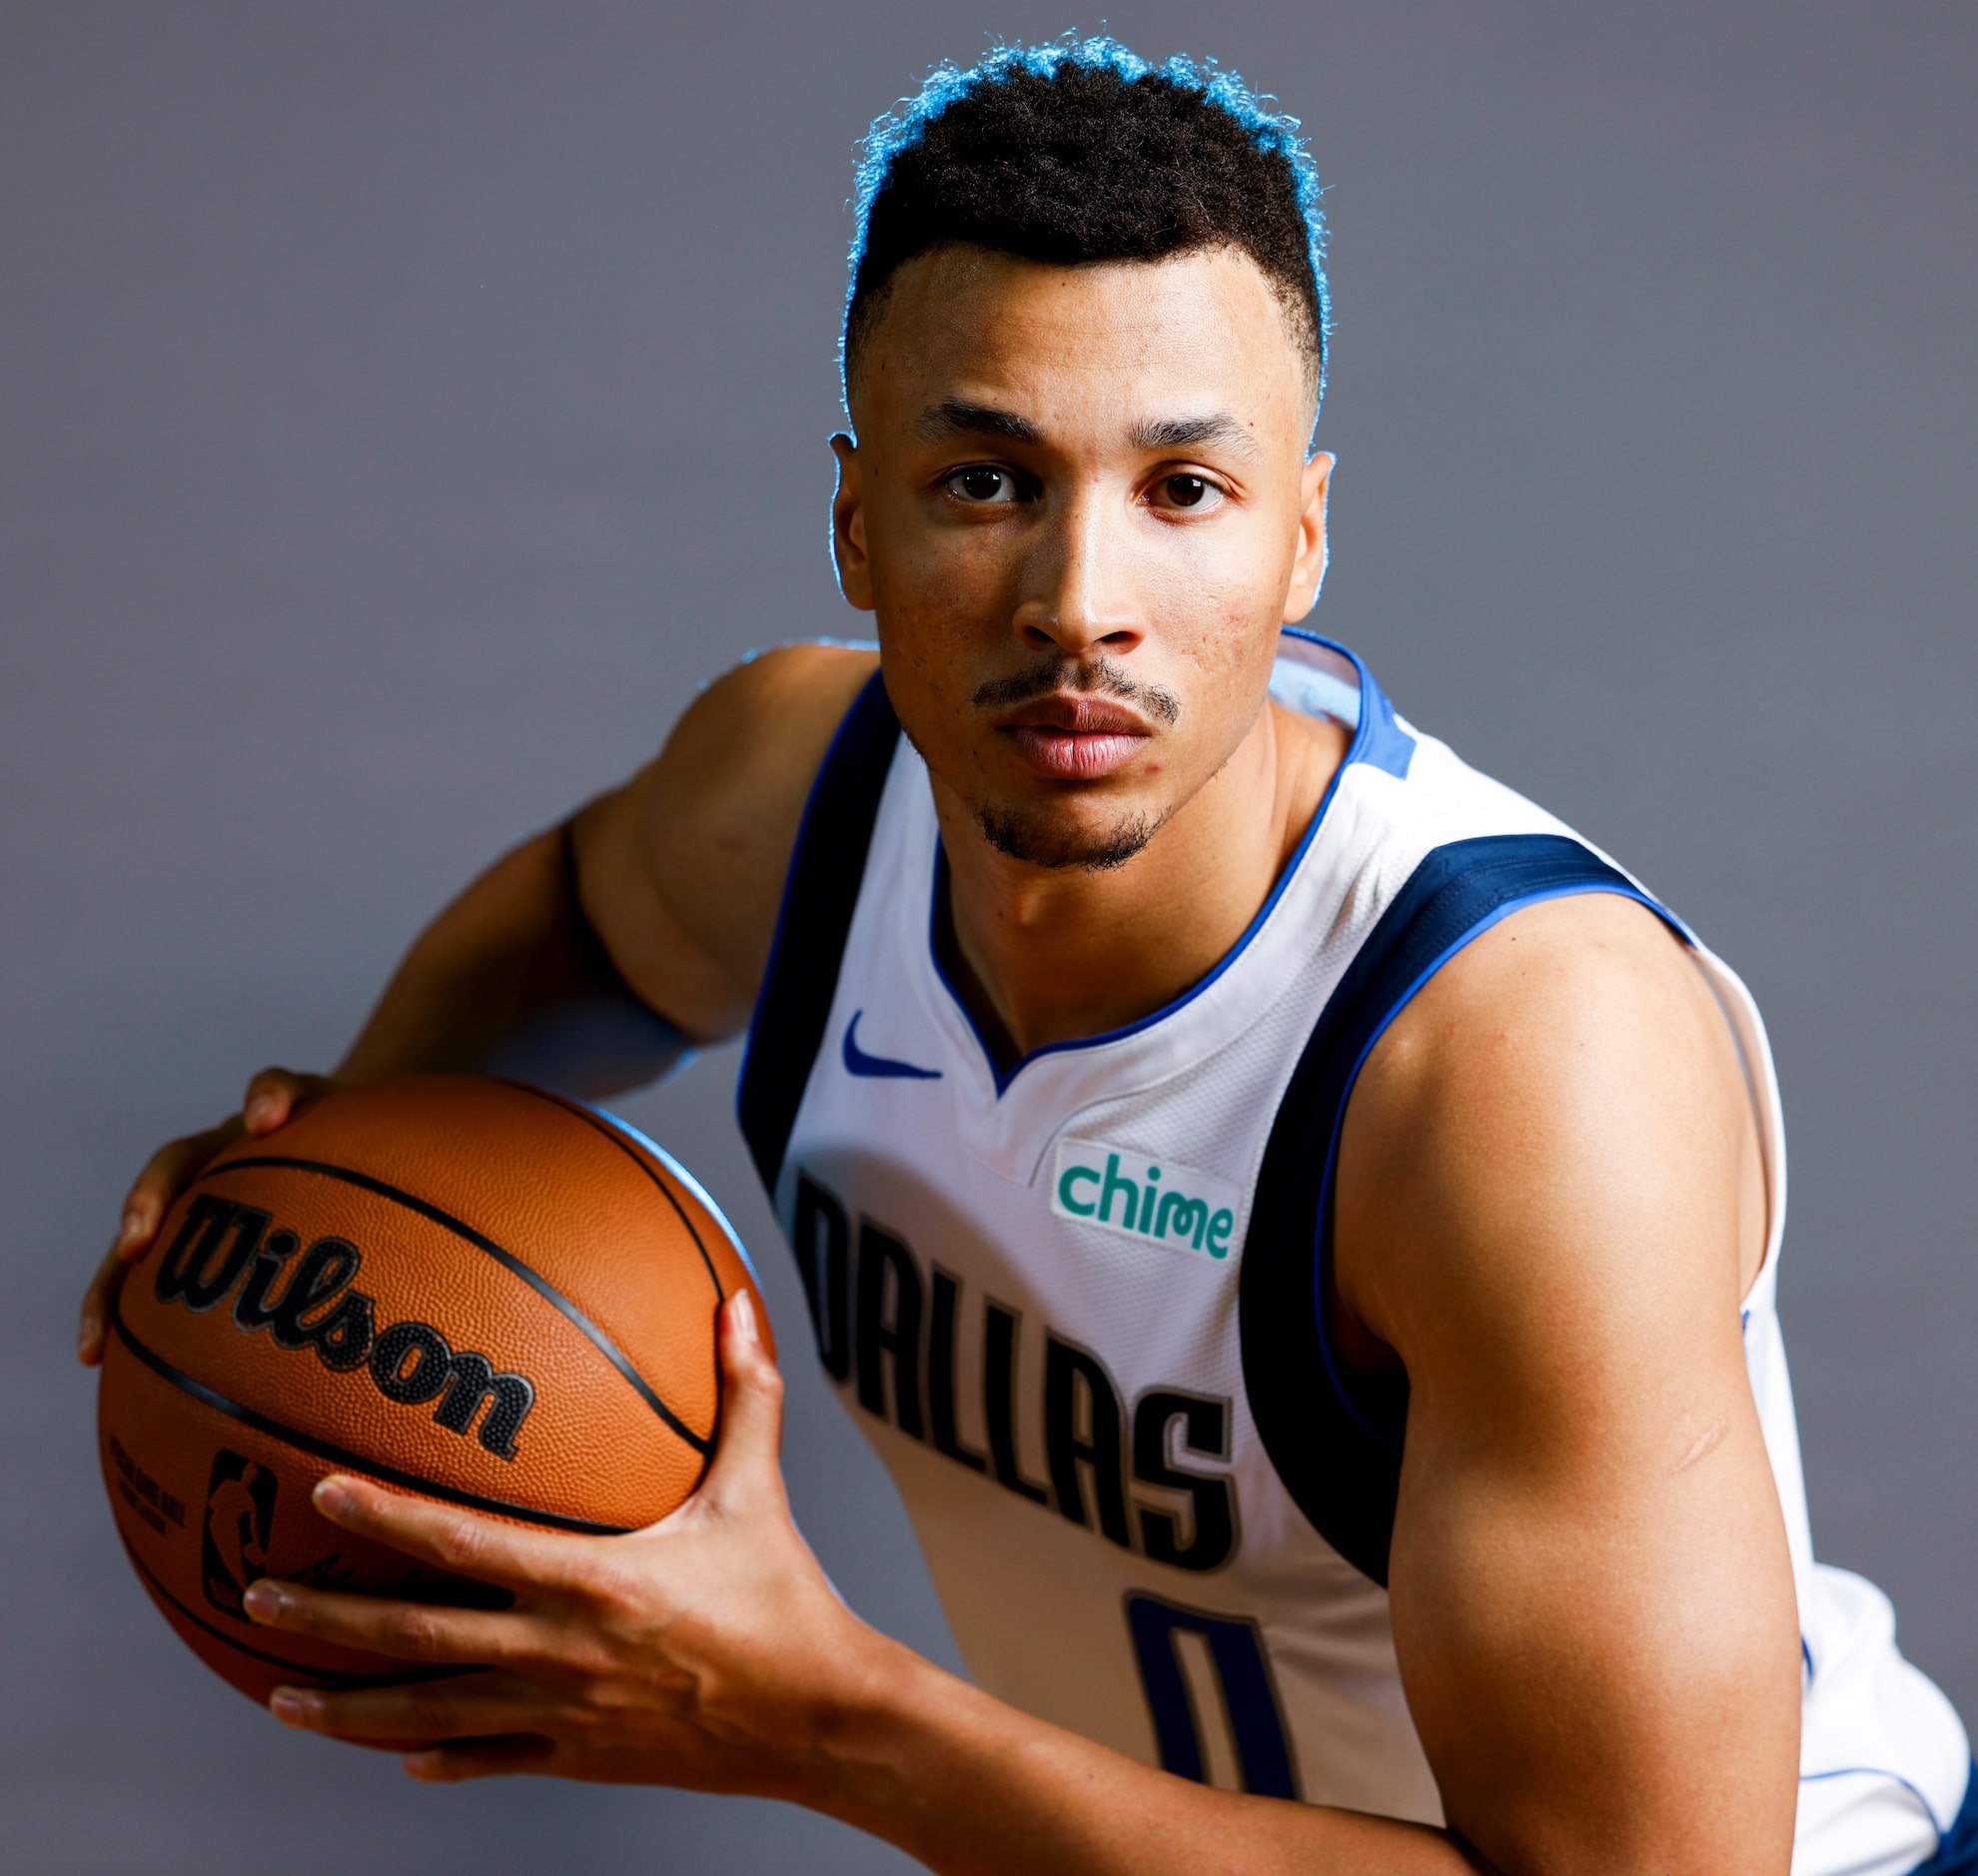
column 1106, row 342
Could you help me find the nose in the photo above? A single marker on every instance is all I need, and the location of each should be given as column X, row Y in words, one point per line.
column 1079, row 593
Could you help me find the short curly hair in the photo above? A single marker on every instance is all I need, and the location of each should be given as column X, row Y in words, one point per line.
column 1080, row 151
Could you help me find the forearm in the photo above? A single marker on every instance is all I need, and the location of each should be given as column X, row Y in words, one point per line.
column 710, row 1651
column 510, row 979
column 972, row 1787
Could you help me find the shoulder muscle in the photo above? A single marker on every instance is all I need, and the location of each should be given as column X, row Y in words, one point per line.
column 1540, row 1208
column 681, row 869
column 1569, row 1080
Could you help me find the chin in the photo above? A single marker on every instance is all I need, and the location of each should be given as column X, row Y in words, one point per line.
column 1043, row 834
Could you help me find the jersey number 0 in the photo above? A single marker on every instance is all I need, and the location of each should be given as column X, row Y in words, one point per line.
column 1225, row 1655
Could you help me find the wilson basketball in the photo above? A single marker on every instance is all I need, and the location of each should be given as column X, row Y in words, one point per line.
column 461, row 1288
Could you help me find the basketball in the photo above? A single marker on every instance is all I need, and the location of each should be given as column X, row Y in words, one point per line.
column 468, row 1289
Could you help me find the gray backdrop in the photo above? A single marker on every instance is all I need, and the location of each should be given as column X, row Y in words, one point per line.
column 404, row 408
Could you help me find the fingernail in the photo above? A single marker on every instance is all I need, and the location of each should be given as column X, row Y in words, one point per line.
column 86, row 1335
column 263, row 1600
column 130, row 1231
column 745, row 1324
column 331, row 1497
column 290, row 1707
column 423, row 1764
column 260, row 1111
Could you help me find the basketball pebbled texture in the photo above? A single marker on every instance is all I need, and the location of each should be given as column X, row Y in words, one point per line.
column 465, row 1289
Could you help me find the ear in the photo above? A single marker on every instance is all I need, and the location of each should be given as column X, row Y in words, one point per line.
column 1308, row 571
column 849, row 526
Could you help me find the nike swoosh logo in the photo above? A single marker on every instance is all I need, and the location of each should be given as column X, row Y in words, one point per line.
column 879, row 1067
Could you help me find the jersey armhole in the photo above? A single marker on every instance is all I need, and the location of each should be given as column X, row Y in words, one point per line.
column 820, row 894
column 1337, row 1449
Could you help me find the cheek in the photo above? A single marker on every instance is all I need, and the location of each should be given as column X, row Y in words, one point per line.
column 937, row 593
column 1224, row 654
column 928, row 633
column 1227, row 582
column 1221, row 622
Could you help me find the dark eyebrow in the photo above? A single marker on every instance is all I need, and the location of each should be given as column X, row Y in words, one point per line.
column 1181, row 433
column 954, row 418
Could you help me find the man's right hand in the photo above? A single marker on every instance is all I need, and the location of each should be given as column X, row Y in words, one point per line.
column 679, row 874
column 271, row 1096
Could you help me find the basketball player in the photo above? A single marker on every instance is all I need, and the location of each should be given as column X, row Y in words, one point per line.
column 1300, row 1225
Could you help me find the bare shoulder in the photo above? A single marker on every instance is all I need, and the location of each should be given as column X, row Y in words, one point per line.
column 1551, row 992
column 1539, row 1218
column 682, row 869
column 738, row 768
column 1558, row 1122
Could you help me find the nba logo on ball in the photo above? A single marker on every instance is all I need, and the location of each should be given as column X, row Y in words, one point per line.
column 240, row 1518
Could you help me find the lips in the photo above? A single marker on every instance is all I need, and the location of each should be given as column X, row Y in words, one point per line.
column 1075, row 738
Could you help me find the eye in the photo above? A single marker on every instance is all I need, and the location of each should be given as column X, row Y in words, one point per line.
column 983, row 484
column 1196, row 494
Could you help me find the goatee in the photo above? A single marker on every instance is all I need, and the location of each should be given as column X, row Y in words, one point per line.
column 1037, row 837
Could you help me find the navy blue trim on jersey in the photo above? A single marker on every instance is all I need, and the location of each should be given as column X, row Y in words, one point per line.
column 1957, row 1848
column 1336, row 1444
column 820, row 894
column 1378, row 740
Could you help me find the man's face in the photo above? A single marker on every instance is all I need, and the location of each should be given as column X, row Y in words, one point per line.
column 1080, row 507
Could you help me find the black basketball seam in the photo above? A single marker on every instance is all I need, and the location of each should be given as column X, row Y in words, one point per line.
column 624, row 1146
column 631, row 1153
column 333, row 1674
column 339, row 1456
column 507, row 1259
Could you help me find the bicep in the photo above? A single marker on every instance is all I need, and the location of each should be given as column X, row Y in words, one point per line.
column 1598, row 1646
column 681, row 870
column 1591, row 1595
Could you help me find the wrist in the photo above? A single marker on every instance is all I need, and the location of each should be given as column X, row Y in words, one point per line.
column 878, row 1742
column 959, row 1780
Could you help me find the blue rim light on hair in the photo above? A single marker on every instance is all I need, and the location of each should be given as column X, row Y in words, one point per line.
column 1272, row 131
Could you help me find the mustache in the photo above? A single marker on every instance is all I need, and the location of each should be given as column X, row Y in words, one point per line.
column 1100, row 677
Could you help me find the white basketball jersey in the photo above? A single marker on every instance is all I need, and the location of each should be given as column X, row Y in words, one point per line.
column 1074, row 1304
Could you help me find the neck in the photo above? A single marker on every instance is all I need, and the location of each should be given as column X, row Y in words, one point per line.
column 1043, row 956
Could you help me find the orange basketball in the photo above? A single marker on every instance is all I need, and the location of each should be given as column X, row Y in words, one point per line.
column 464, row 1289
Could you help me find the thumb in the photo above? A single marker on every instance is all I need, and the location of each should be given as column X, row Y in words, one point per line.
column 751, row 1405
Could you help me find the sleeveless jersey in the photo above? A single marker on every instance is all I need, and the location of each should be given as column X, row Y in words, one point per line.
column 1076, row 1303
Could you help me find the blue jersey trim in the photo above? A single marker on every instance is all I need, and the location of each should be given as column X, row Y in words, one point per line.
column 1335, row 1441
column 1378, row 740
column 1386, row 745
column 820, row 896
column 779, row 938
column 1957, row 1853
column 1895, row 1778
column 1321, row 1263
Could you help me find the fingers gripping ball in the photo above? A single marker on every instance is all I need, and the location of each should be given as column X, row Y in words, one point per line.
column 462, row 1287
